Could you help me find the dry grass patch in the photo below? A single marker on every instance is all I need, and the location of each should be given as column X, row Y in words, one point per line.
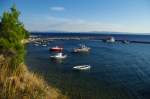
column 23, row 84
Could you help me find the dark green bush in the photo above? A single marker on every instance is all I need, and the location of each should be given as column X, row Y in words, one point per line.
column 12, row 31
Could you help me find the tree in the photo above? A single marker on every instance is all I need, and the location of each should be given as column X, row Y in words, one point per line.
column 12, row 31
column 11, row 28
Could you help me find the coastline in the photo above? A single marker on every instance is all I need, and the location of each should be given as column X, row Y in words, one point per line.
column 16, row 81
column 24, row 84
column 100, row 37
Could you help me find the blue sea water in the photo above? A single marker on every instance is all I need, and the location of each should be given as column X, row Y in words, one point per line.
column 119, row 71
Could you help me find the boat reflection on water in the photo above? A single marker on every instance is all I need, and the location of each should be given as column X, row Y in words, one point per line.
column 57, row 61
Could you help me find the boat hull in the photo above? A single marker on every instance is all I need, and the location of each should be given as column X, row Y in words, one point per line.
column 56, row 49
column 84, row 67
column 81, row 50
column 55, row 57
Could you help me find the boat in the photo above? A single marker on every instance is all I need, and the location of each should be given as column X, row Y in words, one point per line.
column 125, row 41
column 82, row 48
column 58, row 56
column 56, row 48
column 44, row 45
column 82, row 67
column 110, row 39
column 36, row 44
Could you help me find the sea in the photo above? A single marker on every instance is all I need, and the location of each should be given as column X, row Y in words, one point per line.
column 118, row 70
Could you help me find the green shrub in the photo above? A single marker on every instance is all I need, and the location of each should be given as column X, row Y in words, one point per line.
column 12, row 31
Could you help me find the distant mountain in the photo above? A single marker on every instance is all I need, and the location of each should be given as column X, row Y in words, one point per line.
column 92, row 32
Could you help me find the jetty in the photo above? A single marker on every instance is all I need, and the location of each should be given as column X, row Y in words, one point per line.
column 34, row 38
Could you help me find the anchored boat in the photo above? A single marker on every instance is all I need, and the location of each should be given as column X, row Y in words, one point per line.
column 58, row 56
column 82, row 67
column 110, row 39
column 56, row 48
column 125, row 41
column 44, row 45
column 82, row 48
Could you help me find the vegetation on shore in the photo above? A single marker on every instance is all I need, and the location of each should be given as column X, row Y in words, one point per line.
column 16, row 81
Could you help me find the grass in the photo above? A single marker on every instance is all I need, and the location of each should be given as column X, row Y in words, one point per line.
column 23, row 84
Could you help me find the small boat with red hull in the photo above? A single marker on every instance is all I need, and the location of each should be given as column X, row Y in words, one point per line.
column 56, row 48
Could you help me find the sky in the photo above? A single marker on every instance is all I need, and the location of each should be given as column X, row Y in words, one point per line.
column 83, row 15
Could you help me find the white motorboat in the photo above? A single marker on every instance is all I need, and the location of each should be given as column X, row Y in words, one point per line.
column 125, row 41
column 44, row 45
column 82, row 67
column 82, row 48
column 110, row 39
column 58, row 56
column 36, row 44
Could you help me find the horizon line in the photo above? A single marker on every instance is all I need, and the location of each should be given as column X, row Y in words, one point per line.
column 100, row 33
column 94, row 32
